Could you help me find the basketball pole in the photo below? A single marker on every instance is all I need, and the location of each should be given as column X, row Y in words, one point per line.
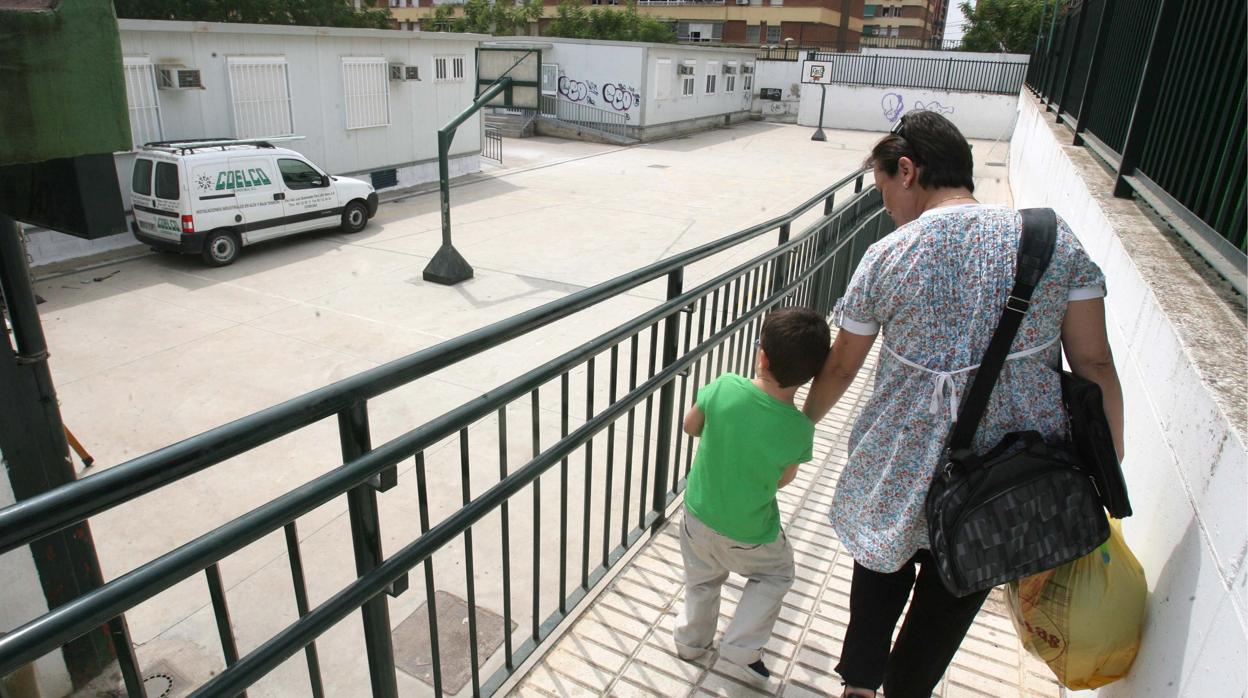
column 448, row 267
column 823, row 98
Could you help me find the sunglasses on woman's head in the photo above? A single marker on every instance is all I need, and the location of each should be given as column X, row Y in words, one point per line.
column 899, row 126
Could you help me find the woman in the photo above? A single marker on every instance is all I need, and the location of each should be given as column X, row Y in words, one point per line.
column 936, row 287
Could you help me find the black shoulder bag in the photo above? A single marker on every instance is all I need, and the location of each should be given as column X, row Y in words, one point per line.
column 1026, row 505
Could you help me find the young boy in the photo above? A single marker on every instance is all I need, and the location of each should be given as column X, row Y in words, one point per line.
column 752, row 439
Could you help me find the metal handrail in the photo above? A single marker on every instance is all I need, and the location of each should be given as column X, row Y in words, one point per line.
column 70, row 620
column 31, row 519
column 584, row 115
column 297, row 635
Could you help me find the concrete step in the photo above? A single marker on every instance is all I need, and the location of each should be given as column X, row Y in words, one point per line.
column 511, row 125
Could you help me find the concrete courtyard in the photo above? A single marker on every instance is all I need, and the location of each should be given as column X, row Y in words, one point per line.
column 152, row 350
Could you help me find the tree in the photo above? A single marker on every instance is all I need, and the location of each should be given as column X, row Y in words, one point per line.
column 317, row 13
column 573, row 20
column 1002, row 25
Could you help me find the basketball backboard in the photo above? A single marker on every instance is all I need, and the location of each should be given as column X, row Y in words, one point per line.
column 522, row 65
column 817, row 72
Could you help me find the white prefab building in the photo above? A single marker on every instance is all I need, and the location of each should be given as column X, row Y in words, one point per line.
column 367, row 102
column 659, row 89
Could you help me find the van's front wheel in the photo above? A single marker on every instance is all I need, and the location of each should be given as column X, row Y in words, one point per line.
column 220, row 248
column 354, row 217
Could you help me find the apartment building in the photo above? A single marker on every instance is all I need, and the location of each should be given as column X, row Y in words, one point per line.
column 904, row 23
column 829, row 24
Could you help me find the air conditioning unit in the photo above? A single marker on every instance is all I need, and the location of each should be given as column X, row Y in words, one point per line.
column 398, row 72
column 411, row 72
column 730, row 70
column 747, row 70
column 684, row 69
column 178, row 77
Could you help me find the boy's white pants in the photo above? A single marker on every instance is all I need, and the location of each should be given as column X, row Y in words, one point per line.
column 709, row 557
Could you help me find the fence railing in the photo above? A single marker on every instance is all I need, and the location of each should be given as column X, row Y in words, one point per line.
column 585, row 116
column 592, row 480
column 492, row 144
column 1156, row 88
column 934, row 43
column 951, row 74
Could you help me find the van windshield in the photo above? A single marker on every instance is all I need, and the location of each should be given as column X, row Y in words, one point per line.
column 141, row 183
column 167, row 181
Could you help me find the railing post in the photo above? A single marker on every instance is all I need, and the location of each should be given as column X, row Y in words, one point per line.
column 778, row 276
column 1089, row 87
column 667, row 403
column 1159, row 50
column 1074, row 55
column 366, row 540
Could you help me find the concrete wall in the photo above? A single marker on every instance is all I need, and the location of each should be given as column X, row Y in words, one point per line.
column 785, row 76
column 677, row 107
column 1179, row 341
column 606, row 75
column 24, row 601
column 876, row 109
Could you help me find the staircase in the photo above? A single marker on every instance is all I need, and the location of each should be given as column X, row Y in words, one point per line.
column 511, row 125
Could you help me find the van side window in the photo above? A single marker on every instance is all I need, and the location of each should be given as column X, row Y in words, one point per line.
column 167, row 181
column 141, row 183
column 298, row 174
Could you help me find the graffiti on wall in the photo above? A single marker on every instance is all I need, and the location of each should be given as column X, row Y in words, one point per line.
column 615, row 95
column 620, row 97
column 894, row 105
column 933, row 106
column 578, row 91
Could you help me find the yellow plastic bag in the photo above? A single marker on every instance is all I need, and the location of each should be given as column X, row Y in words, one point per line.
column 1084, row 618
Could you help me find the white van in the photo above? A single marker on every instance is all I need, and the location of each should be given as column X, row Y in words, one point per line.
column 212, row 197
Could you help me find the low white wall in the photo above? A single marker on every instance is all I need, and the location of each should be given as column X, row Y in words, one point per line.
column 1179, row 342
column 859, row 108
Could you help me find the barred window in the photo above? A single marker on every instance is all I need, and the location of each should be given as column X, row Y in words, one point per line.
column 142, row 100
column 448, row 68
column 260, row 93
column 366, row 88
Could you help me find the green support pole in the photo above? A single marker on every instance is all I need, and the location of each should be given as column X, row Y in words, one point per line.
column 448, row 267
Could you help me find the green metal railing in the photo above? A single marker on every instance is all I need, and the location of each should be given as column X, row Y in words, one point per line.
column 950, row 73
column 590, row 490
column 1156, row 88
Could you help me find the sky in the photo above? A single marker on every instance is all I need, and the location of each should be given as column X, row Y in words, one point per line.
column 955, row 21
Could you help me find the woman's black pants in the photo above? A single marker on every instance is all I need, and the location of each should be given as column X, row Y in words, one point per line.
column 933, row 629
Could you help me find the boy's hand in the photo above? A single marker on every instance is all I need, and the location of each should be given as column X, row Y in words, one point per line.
column 789, row 474
column 694, row 421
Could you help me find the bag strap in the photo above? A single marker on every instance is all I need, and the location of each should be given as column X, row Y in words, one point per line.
column 1035, row 250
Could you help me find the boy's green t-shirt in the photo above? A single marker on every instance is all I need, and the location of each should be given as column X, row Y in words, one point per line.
column 748, row 439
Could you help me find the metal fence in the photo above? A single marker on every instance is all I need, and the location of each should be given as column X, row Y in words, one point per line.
column 492, row 144
column 596, row 474
column 1156, row 88
column 585, row 116
column 951, row 74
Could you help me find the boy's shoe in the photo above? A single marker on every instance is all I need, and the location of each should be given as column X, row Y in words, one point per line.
column 755, row 674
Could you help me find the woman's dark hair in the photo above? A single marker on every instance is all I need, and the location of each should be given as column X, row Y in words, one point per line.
column 934, row 144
